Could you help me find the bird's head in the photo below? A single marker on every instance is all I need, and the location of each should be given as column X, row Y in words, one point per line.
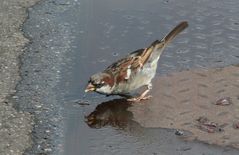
column 101, row 83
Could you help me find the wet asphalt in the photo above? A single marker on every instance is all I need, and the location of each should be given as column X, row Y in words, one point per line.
column 72, row 39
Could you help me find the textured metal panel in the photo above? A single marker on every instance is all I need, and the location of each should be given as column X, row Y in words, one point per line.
column 182, row 98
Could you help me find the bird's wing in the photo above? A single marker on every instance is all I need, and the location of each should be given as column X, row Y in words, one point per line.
column 124, row 68
column 121, row 69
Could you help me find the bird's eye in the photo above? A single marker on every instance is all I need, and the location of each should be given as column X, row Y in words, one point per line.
column 99, row 85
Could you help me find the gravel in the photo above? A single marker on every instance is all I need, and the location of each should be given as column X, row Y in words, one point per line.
column 15, row 126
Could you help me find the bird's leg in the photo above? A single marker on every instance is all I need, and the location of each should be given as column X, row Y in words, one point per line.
column 143, row 95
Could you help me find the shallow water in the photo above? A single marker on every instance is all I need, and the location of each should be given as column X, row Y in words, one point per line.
column 73, row 39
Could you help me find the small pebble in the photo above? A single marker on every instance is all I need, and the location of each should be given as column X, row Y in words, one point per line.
column 211, row 127
column 224, row 101
column 115, row 54
column 179, row 133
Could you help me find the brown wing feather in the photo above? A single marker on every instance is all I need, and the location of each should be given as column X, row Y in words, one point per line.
column 119, row 69
column 134, row 61
column 141, row 59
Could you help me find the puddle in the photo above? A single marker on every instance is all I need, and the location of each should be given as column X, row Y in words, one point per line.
column 73, row 39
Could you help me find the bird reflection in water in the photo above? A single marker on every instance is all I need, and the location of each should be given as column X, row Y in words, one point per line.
column 111, row 113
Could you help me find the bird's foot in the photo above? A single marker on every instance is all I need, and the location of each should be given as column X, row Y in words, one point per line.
column 138, row 99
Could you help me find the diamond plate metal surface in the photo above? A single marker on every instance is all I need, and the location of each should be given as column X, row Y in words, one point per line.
column 180, row 99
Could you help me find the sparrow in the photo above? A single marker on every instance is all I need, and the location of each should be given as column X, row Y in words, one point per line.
column 134, row 71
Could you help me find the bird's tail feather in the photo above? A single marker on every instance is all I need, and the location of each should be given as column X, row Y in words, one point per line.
column 172, row 34
column 157, row 47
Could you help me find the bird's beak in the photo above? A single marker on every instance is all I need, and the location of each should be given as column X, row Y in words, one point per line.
column 89, row 88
